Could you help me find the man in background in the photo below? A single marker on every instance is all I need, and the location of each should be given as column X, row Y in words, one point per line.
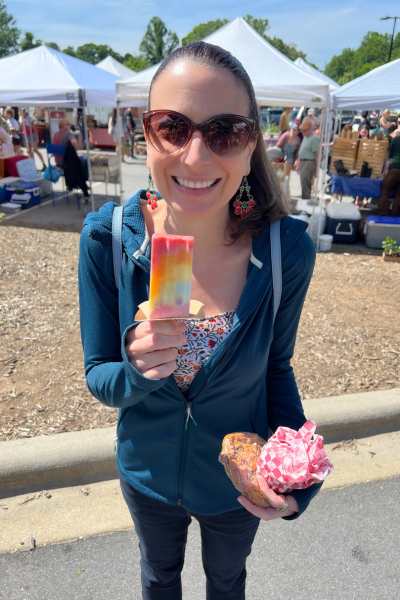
column 129, row 124
column 308, row 158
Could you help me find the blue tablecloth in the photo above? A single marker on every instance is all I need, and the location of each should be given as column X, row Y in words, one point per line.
column 357, row 186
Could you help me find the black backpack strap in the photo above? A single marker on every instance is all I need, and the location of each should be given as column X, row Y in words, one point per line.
column 116, row 230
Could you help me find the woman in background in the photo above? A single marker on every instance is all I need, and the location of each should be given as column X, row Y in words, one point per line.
column 113, row 129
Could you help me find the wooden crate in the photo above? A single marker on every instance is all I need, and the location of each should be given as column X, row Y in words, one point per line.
column 344, row 149
column 374, row 153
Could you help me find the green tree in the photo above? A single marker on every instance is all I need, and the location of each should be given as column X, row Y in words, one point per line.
column 9, row 33
column 52, row 45
column 94, row 53
column 202, row 30
column 28, row 42
column 372, row 52
column 69, row 50
column 157, row 42
column 259, row 25
column 137, row 63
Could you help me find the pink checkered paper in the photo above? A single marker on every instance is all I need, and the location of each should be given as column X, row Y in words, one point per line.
column 292, row 460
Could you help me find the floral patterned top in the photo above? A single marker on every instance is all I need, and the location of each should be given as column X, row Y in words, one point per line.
column 203, row 336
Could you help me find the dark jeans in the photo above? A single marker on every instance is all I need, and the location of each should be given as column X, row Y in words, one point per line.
column 390, row 182
column 162, row 531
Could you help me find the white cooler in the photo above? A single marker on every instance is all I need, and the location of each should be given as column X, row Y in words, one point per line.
column 343, row 222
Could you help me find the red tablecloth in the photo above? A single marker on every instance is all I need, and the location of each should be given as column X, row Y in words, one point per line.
column 10, row 165
column 101, row 137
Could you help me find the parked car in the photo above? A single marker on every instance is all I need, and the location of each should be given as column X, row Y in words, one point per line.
column 265, row 120
column 274, row 115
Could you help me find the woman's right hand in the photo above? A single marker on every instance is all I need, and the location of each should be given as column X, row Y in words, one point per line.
column 151, row 347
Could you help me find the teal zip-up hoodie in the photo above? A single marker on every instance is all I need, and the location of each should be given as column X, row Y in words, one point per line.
column 168, row 443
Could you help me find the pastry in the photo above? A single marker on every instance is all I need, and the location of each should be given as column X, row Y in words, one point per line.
column 239, row 455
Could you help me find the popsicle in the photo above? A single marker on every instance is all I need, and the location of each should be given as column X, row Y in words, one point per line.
column 170, row 276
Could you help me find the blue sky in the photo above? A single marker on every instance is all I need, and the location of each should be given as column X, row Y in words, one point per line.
column 319, row 28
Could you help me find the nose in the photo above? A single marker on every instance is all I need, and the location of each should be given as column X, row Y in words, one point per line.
column 196, row 152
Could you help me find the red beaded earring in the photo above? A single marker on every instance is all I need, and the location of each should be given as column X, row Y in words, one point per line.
column 150, row 194
column 244, row 207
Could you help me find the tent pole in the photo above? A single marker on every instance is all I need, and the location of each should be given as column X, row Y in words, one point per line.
column 119, row 150
column 83, row 96
column 25, row 134
column 326, row 138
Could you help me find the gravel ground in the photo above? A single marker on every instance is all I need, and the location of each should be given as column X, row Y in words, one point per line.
column 348, row 340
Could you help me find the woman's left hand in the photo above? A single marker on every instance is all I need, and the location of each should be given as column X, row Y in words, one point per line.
column 275, row 500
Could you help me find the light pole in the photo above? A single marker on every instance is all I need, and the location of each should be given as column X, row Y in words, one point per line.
column 394, row 27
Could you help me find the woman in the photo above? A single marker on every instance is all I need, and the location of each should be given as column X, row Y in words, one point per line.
column 14, row 129
column 27, row 122
column 386, row 126
column 113, row 128
column 169, row 431
column 290, row 144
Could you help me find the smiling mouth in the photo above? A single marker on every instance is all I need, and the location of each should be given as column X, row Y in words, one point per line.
column 195, row 185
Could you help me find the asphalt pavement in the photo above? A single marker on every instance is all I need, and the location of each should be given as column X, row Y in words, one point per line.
column 345, row 546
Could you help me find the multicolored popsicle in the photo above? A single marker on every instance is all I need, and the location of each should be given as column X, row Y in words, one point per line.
column 170, row 276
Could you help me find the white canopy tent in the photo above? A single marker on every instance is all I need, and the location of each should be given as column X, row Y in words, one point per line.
column 276, row 79
column 304, row 66
column 111, row 65
column 46, row 77
column 377, row 89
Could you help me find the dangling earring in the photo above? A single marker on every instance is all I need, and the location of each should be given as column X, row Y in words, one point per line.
column 150, row 194
column 244, row 207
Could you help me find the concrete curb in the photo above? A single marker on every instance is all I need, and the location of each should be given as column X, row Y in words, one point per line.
column 84, row 457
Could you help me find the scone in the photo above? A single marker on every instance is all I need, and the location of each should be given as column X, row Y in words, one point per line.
column 239, row 455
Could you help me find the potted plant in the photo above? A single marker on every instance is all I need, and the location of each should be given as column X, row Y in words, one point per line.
column 391, row 251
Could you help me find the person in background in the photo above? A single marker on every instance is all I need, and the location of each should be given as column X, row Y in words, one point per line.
column 5, row 138
column 365, row 121
column 15, row 129
column 386, row 126
column 308, row 158
column 391, row 181
column 27, row 124
column 311, row 117
column 290, row 144
column 363, row 132
column 61, row 138
column 284, row 121
column 113, row 129
column 129, row 123
column 81, row 125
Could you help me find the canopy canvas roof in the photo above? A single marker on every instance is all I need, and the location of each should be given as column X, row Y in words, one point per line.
column 276, row 79
column 304, row 66
column 111, row 65
column 377, row 89
column 44, row 76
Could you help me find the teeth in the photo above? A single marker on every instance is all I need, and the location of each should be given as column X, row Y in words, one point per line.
column 195, row 184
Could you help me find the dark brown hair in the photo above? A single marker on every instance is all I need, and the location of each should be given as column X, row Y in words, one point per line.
column 271, row 203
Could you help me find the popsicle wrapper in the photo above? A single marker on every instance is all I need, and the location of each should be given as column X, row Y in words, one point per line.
column 293, row 460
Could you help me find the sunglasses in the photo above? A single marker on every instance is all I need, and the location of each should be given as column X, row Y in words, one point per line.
column 226, row 136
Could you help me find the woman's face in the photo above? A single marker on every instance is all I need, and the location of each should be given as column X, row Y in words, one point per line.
column 200, row 93
column 364, row 133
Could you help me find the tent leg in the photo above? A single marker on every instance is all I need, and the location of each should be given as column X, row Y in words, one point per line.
column 87, row 150
column 119, row 151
